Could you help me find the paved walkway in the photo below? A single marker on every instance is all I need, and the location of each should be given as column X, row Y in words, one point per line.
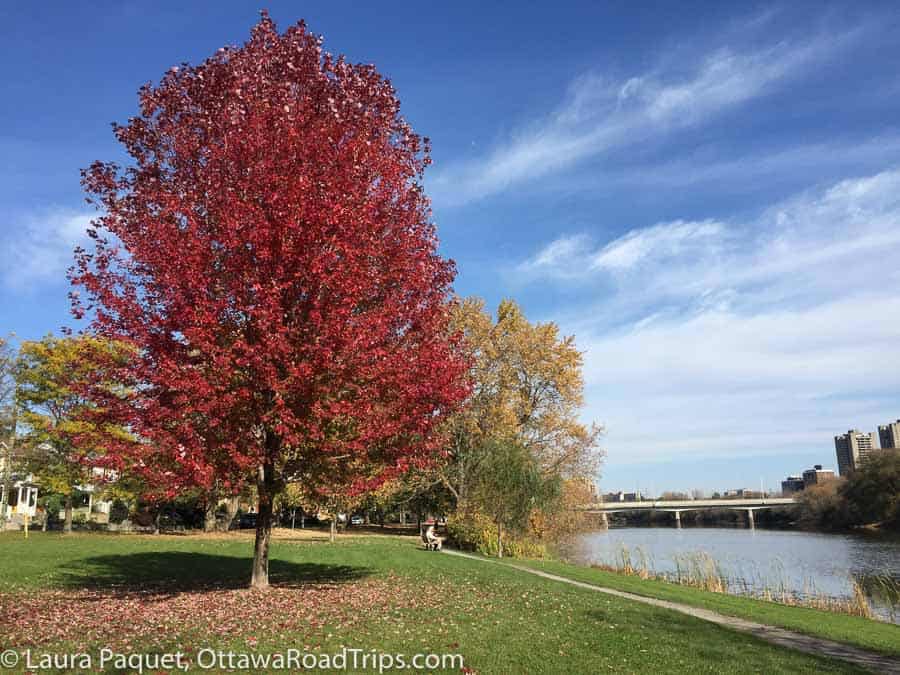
column 872, row 661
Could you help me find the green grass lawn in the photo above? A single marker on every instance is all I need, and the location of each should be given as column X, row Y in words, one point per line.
column 866, row 633
column 167, row 593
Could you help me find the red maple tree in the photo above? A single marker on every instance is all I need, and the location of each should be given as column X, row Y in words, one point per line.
column 270, row 256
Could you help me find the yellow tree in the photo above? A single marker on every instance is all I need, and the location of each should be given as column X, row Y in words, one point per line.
column 419, row 492
column 52, row 375
column 528, row 388
column 568, row 519
column 334, row 488
column 295, row 497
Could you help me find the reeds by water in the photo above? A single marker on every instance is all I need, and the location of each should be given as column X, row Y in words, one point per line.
column 701, row 570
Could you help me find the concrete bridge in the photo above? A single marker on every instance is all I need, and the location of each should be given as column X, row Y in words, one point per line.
column 680, row 506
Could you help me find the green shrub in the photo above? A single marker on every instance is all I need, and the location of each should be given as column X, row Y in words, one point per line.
column 477, row 533
column 872, row 493
column 52, row 504
column 118, row 512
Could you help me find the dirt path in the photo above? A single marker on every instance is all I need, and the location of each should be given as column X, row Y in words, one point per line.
column 872, row 661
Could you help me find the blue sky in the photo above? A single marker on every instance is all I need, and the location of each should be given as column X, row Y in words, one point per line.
column 706, row 195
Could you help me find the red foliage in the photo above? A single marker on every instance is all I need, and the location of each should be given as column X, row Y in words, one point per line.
column 270, row 255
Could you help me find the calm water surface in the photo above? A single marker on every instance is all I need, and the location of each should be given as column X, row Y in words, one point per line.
column 754, row 560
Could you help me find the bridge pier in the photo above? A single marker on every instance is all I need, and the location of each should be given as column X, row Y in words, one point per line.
column 750, row 519
column 678, row 519
column 604, row 519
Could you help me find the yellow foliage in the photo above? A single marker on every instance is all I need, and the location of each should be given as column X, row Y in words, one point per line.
column 528, row 387
column 566, row 521
column 475, row 531
column 50, row 374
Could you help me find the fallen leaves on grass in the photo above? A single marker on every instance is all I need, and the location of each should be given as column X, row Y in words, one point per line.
column 136, row 619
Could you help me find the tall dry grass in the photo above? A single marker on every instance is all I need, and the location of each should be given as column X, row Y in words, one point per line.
column 701, row 570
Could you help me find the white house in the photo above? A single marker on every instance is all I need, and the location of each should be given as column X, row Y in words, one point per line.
column 23, row 496
column 23, row 493
column 22, row 499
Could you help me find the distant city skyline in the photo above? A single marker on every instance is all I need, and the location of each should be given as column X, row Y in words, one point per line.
column 712, row 208
column 889, row 435
column 845, row 446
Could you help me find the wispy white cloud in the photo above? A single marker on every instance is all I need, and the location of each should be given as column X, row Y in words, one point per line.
column 751, row 170
column 574, row 256
column 557, row 258
column 798, row 236
column 599, row 114
column 724, row 338
column 40, row 246
column 725, row 383
column 654, row 243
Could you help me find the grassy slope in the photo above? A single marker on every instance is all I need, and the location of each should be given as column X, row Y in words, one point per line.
column 500, row 619
column 875, row 635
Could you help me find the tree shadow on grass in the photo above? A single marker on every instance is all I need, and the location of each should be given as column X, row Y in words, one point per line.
column 171, row 572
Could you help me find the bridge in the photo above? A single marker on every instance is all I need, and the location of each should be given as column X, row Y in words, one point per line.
column 680, row 506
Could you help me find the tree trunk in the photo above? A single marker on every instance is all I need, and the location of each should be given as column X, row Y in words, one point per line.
column 209, row 517
column 156, row 520
column 67, row 523
column 293, row 517
column 265, row 485
column 499, row 540
column 333, row 528
column 231, row 509
column 462, row 505
column 302, row 520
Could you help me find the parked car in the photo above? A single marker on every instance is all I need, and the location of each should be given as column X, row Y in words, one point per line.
column 357, row 520
column 247, row 521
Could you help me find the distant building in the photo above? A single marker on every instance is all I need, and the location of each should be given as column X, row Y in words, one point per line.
column 816, row 476
column 23, row 493
column 792, row 484
column 22, row 498
column 889, row 435
column 741, row 493
column 622, row 497
column 853, row 450
column 24, row 489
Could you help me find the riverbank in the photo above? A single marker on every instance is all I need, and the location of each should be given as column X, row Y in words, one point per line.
column 183, row 593
column 866, row 658
column 853, row 573
column 866, row 633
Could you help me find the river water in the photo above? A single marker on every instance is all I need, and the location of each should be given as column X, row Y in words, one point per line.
column 799, row 563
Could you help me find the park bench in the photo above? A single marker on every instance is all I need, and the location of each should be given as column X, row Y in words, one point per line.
column 433, row 544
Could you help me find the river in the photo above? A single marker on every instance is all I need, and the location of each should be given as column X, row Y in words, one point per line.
column 804, row 564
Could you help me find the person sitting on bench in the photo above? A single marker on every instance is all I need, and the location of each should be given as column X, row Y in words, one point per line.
column 432, row 541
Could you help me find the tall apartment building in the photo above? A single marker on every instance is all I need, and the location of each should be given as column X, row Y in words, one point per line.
column 889, row 434
column 853, row 449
